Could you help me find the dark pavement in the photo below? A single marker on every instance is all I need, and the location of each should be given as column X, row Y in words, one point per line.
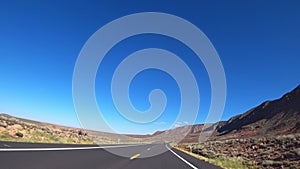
column 150, row 156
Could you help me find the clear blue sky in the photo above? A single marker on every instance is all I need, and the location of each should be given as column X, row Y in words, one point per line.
column 257, row 41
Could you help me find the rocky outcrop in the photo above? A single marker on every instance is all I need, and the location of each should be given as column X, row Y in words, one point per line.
column 16, row 129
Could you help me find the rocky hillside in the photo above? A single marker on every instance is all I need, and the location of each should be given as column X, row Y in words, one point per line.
column 281, row 116
column 16, row 129
column 271, row 118
column 267, row 136
column 23, row 130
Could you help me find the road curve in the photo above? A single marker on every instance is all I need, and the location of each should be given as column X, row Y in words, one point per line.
column 52, row 156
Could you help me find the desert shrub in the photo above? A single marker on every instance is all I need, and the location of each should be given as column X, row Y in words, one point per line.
column 19, row 134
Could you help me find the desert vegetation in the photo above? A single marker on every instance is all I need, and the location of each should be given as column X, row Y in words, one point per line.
column 263, row 152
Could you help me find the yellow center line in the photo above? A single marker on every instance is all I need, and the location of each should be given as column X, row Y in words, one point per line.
column 135, row 156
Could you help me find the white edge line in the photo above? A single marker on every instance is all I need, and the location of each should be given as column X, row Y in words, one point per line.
column 63, row 148
column 184, row 160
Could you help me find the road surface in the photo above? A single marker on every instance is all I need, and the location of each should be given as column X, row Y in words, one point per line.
column 51, row 156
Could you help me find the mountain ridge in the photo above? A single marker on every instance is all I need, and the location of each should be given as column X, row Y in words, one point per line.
column 270, row 118
column 273, row 115
column 280, row 116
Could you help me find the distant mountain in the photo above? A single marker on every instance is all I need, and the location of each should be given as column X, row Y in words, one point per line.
column 271, row 118
column 281, row 116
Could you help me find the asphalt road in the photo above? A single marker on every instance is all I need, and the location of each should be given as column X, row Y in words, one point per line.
column 50, row 156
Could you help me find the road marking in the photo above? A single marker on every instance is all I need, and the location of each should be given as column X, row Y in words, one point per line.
column 184, row 160
column 149, row 149
column 135, row 156
column 63, row 148
column 6, row 145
